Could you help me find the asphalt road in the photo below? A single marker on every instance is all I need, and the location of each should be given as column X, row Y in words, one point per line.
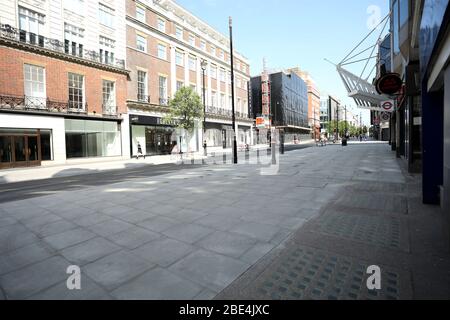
column 37, row 188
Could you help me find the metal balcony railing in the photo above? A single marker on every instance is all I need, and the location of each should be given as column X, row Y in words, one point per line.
column 143, row 98
column 163, row 102
column 77, row 107
column 109, row 110
column 14, row 34
column 27, row 103
column 225, row 112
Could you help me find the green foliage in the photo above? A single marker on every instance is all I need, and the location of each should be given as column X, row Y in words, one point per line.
column 352, row 130
column 185, row 108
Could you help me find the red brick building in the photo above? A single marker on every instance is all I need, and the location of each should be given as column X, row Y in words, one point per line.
column 59, row 99
column 166, row 46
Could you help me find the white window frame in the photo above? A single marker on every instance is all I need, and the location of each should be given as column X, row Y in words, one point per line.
column 74, row 35
column 110, row 104
column 31, row 22
column 213, row 99
column 179, row 32
column 142, row 84
column 192, row 63
column 76, row 6
column 161, row 24
column 179, row 58
column 107, row 47
column 162, row 90
column 203, row 45
column 162, row 48
column 191, row 40
column 106, row 15
column 140, row 13
column 213, row 71
column 141, row 40
column 30, row 74
column 223, row 76
column 83, row 92
column 179, row 85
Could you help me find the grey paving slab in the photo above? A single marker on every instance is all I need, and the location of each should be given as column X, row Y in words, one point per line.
column 91, row 219
column 158, row 284
column 262, row 232
column 164, row 252
column 69, row 238
column 99, row 205
column 218, row 222
column 89, row 291
column 54, row 228
column 228, row 244
column 114, row 270
column 186, row 215
column 14, row 260
column 89, row 251
column 116, row 211
column 189, row 233
column 7, row 221
column 110, row 227
column 15, row 236
column 210, row 270
column 157, row 208
column 76, row 213
column 136, row 216
column 34, row 278
column 24, row 213
column 158, row 224
column 39, row 221
column 68, row 206
column 134, row 237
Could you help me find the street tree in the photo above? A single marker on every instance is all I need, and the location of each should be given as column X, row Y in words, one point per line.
column 185, row 109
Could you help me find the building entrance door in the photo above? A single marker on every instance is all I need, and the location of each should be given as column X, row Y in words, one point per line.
column 18, row 150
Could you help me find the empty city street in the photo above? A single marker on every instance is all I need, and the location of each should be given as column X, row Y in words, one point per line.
column 231, row 232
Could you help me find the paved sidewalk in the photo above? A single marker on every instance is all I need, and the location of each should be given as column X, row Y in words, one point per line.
column 376, row 218
column 223, row 231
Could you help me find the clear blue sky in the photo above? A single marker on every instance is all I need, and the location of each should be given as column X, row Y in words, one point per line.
column 293, row 33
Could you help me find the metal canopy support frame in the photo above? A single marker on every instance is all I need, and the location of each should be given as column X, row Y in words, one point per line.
column 360, row 89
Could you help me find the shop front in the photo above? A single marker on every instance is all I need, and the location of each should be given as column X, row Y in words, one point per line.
column 28, row 141
column 219, row 135
column 92, row 138
column 153, row 136
column 22, row 148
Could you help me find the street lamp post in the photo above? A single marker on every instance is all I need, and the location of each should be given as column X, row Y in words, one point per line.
column 235, row 156
column 204, row 64
column 337, row 123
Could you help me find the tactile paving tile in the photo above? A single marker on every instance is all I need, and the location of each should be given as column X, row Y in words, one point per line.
column 308, row 273
column 381, row 230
